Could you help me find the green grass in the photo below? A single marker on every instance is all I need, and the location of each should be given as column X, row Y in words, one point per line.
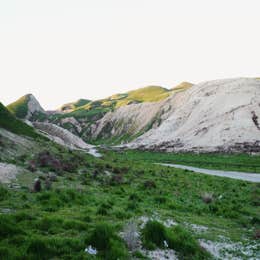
column 75, row 105
column 20, row 107
column 232, row 162
column 155, row 234
column 10, row 123
column 93, row 203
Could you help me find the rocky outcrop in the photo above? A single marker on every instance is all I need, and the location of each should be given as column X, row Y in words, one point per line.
column 135, row 119
column 8, row 172
column 26, row 107
column 33, row 106
column 220, row 115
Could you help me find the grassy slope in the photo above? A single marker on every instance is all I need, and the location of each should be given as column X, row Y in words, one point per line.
column 58, row 222
column 10, row 123
column 20, row 107
column 75, row 105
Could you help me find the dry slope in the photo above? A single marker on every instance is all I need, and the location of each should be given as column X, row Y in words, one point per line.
column 220, row 115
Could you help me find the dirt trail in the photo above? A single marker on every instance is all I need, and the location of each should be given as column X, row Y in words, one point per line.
column 245, row 176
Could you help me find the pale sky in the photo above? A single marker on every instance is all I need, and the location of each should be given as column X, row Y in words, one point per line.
column 63, row 50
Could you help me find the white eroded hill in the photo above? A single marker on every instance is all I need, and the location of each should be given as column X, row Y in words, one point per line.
column 219, row 115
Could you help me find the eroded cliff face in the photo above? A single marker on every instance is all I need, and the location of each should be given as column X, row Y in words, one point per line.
column 220, row 115
column 33, row 106
column 61, row 135
column 135, row 119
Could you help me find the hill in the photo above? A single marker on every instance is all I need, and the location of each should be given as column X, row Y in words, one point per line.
column 25, row 107
column 74, row 105
column 90, row 120
column 12, row 124
column 219, row 115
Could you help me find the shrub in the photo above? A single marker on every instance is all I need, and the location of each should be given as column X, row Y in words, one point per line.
column 183, row 242
column 153, row 234
column 108, row 244
column 117, row 251
column 100, row 236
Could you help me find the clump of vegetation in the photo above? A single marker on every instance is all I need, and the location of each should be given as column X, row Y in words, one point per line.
column 20, row 107
column 55, row 162
column 155, row 234
column 108, row 244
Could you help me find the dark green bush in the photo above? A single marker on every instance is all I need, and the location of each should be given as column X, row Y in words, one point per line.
column 183, row 242
column 100, row 236
column 117, row 251
column 154, row 234
column 108, row 244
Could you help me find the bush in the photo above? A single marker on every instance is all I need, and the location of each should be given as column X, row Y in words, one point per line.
column 183, row 242
column 153, row 234
column 117, row 251
column 100, row 236
column 108, row 244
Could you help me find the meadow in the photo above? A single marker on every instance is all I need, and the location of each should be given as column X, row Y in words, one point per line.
column 93, row 201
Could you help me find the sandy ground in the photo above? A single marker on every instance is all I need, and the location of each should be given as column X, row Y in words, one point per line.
column 252, row 177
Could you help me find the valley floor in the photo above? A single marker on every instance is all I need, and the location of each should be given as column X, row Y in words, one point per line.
column 119, row 198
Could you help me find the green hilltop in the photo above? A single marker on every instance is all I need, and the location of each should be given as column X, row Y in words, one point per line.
column 75, row 105
column 20, row 107
column 12, row 124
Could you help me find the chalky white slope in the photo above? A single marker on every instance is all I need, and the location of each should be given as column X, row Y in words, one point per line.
column 219, row 115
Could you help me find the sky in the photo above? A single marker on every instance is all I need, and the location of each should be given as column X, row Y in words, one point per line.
column 63, row 50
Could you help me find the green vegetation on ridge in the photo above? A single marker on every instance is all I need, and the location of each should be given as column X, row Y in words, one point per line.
column 20, row 107
column 12, row 124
